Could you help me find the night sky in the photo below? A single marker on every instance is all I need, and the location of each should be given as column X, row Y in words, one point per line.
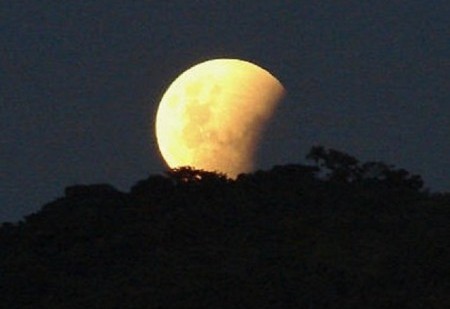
column 80, row 82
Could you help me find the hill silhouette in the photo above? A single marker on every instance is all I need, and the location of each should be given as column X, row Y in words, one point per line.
column 334, row 234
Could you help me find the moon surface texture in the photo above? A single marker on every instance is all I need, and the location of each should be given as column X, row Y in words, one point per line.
column 212, row 116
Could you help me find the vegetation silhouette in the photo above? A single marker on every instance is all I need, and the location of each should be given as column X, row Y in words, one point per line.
column 335, row 234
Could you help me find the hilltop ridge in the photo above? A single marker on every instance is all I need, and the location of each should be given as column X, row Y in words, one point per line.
column 335, row 234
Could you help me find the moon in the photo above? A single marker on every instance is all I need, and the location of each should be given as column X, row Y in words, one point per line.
column 212, row 115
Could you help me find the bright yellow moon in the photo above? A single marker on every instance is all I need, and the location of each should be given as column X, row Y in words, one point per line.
column 211, row 117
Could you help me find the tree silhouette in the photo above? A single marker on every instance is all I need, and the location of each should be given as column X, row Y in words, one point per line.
column 343, row 168
column 187, row 174
column 152, row 190
column 337, row 234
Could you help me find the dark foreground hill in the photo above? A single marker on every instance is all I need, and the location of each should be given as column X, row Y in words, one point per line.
column 338, row 234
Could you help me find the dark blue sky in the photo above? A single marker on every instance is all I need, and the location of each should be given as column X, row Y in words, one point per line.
column 80, row 82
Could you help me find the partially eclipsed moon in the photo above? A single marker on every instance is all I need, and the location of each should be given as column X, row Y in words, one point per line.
column 211, row 117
